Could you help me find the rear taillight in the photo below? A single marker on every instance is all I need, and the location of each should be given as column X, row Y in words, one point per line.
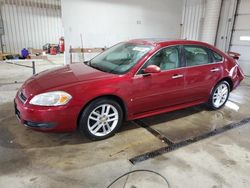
column 239, row 71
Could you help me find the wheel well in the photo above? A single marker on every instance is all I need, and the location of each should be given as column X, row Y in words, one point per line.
column 229, row 80
column 113, row 97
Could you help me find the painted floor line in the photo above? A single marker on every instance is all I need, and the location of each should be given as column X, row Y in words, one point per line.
column 178, row 145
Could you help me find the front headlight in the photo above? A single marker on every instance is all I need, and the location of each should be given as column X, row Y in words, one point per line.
column 54, row 98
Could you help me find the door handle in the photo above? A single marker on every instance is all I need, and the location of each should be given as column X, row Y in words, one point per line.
column 215, row 70
column 177, row 76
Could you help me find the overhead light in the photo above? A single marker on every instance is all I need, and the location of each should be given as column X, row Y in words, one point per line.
column 245, row 38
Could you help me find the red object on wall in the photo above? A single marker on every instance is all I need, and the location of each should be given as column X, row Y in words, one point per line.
column 61, row 45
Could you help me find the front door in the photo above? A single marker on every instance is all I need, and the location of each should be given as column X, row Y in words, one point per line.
column 159, row 90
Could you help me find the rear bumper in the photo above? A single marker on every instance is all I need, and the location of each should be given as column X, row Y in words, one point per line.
column 48, row 119
column 239, row 76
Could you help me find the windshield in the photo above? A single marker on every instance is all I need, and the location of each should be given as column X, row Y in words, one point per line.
column 120, row 58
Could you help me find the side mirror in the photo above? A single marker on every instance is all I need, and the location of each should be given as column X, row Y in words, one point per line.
column 152, row 69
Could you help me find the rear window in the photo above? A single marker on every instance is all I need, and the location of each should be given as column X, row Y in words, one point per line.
column 217, row 57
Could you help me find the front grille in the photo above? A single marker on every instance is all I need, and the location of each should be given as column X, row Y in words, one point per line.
column 22, row 97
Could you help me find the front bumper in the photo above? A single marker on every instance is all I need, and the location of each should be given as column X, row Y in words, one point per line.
column 54, row 119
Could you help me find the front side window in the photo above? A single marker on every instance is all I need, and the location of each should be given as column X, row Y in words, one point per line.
column 120, row 58
column 166, row 59
column 196, row 55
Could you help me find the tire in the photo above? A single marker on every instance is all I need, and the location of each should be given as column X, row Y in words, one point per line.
column 101, row 119
column 218, row 102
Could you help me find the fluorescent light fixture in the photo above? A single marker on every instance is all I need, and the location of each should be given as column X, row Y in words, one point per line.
column 245, row 38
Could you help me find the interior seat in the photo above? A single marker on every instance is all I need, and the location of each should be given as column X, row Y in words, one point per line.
column 169, row 62
column 200, row 59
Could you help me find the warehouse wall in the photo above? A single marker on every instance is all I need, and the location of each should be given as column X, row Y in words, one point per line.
column 211, row 20
column 30, row 23
column 200, row 20
column 225, row 26
column 106, row 22
column 193, row 19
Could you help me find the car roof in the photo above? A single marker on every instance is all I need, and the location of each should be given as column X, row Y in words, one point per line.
column 167, row 41
column 162, row 42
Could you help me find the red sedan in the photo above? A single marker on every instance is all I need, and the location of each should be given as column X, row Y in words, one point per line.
column 131, row 80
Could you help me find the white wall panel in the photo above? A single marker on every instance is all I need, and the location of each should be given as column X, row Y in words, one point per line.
column 200, row 20
column 225, row 26
column 212, row 13
column 241, row 22
column 244, row 7
column 30, row 23
column 192, row 21
column 106, row 22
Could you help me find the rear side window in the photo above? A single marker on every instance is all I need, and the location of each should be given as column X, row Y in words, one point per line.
column 196, row 55
column 217, row 57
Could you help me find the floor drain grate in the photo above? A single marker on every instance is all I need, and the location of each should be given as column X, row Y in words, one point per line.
column 173, row 146
column 154, row 132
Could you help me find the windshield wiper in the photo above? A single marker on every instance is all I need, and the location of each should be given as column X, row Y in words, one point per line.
column 86, row 62
column 98, row 68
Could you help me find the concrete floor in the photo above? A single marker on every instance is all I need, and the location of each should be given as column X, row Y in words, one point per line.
column 33, row 159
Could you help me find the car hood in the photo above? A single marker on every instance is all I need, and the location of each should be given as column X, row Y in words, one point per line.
column 69, row 74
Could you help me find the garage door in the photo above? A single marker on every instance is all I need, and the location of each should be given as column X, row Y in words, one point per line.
column 241, row 35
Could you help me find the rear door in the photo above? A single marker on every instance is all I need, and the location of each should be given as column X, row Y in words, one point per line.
column 203, row 70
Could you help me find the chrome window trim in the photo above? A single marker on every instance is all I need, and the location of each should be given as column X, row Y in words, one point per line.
column 204, row 64
column 176, row 45
column 139, row 75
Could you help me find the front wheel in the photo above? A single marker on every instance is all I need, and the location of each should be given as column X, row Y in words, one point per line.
column 101, row 119
column 219, row 96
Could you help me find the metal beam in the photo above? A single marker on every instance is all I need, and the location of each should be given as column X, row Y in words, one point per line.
column 234, row 22
column 40, row 4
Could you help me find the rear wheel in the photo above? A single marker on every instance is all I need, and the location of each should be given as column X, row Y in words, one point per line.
column 219, row 96
column 101, row 119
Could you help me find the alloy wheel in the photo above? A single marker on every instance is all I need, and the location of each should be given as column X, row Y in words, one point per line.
column 220, row 95
column 103, row 120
